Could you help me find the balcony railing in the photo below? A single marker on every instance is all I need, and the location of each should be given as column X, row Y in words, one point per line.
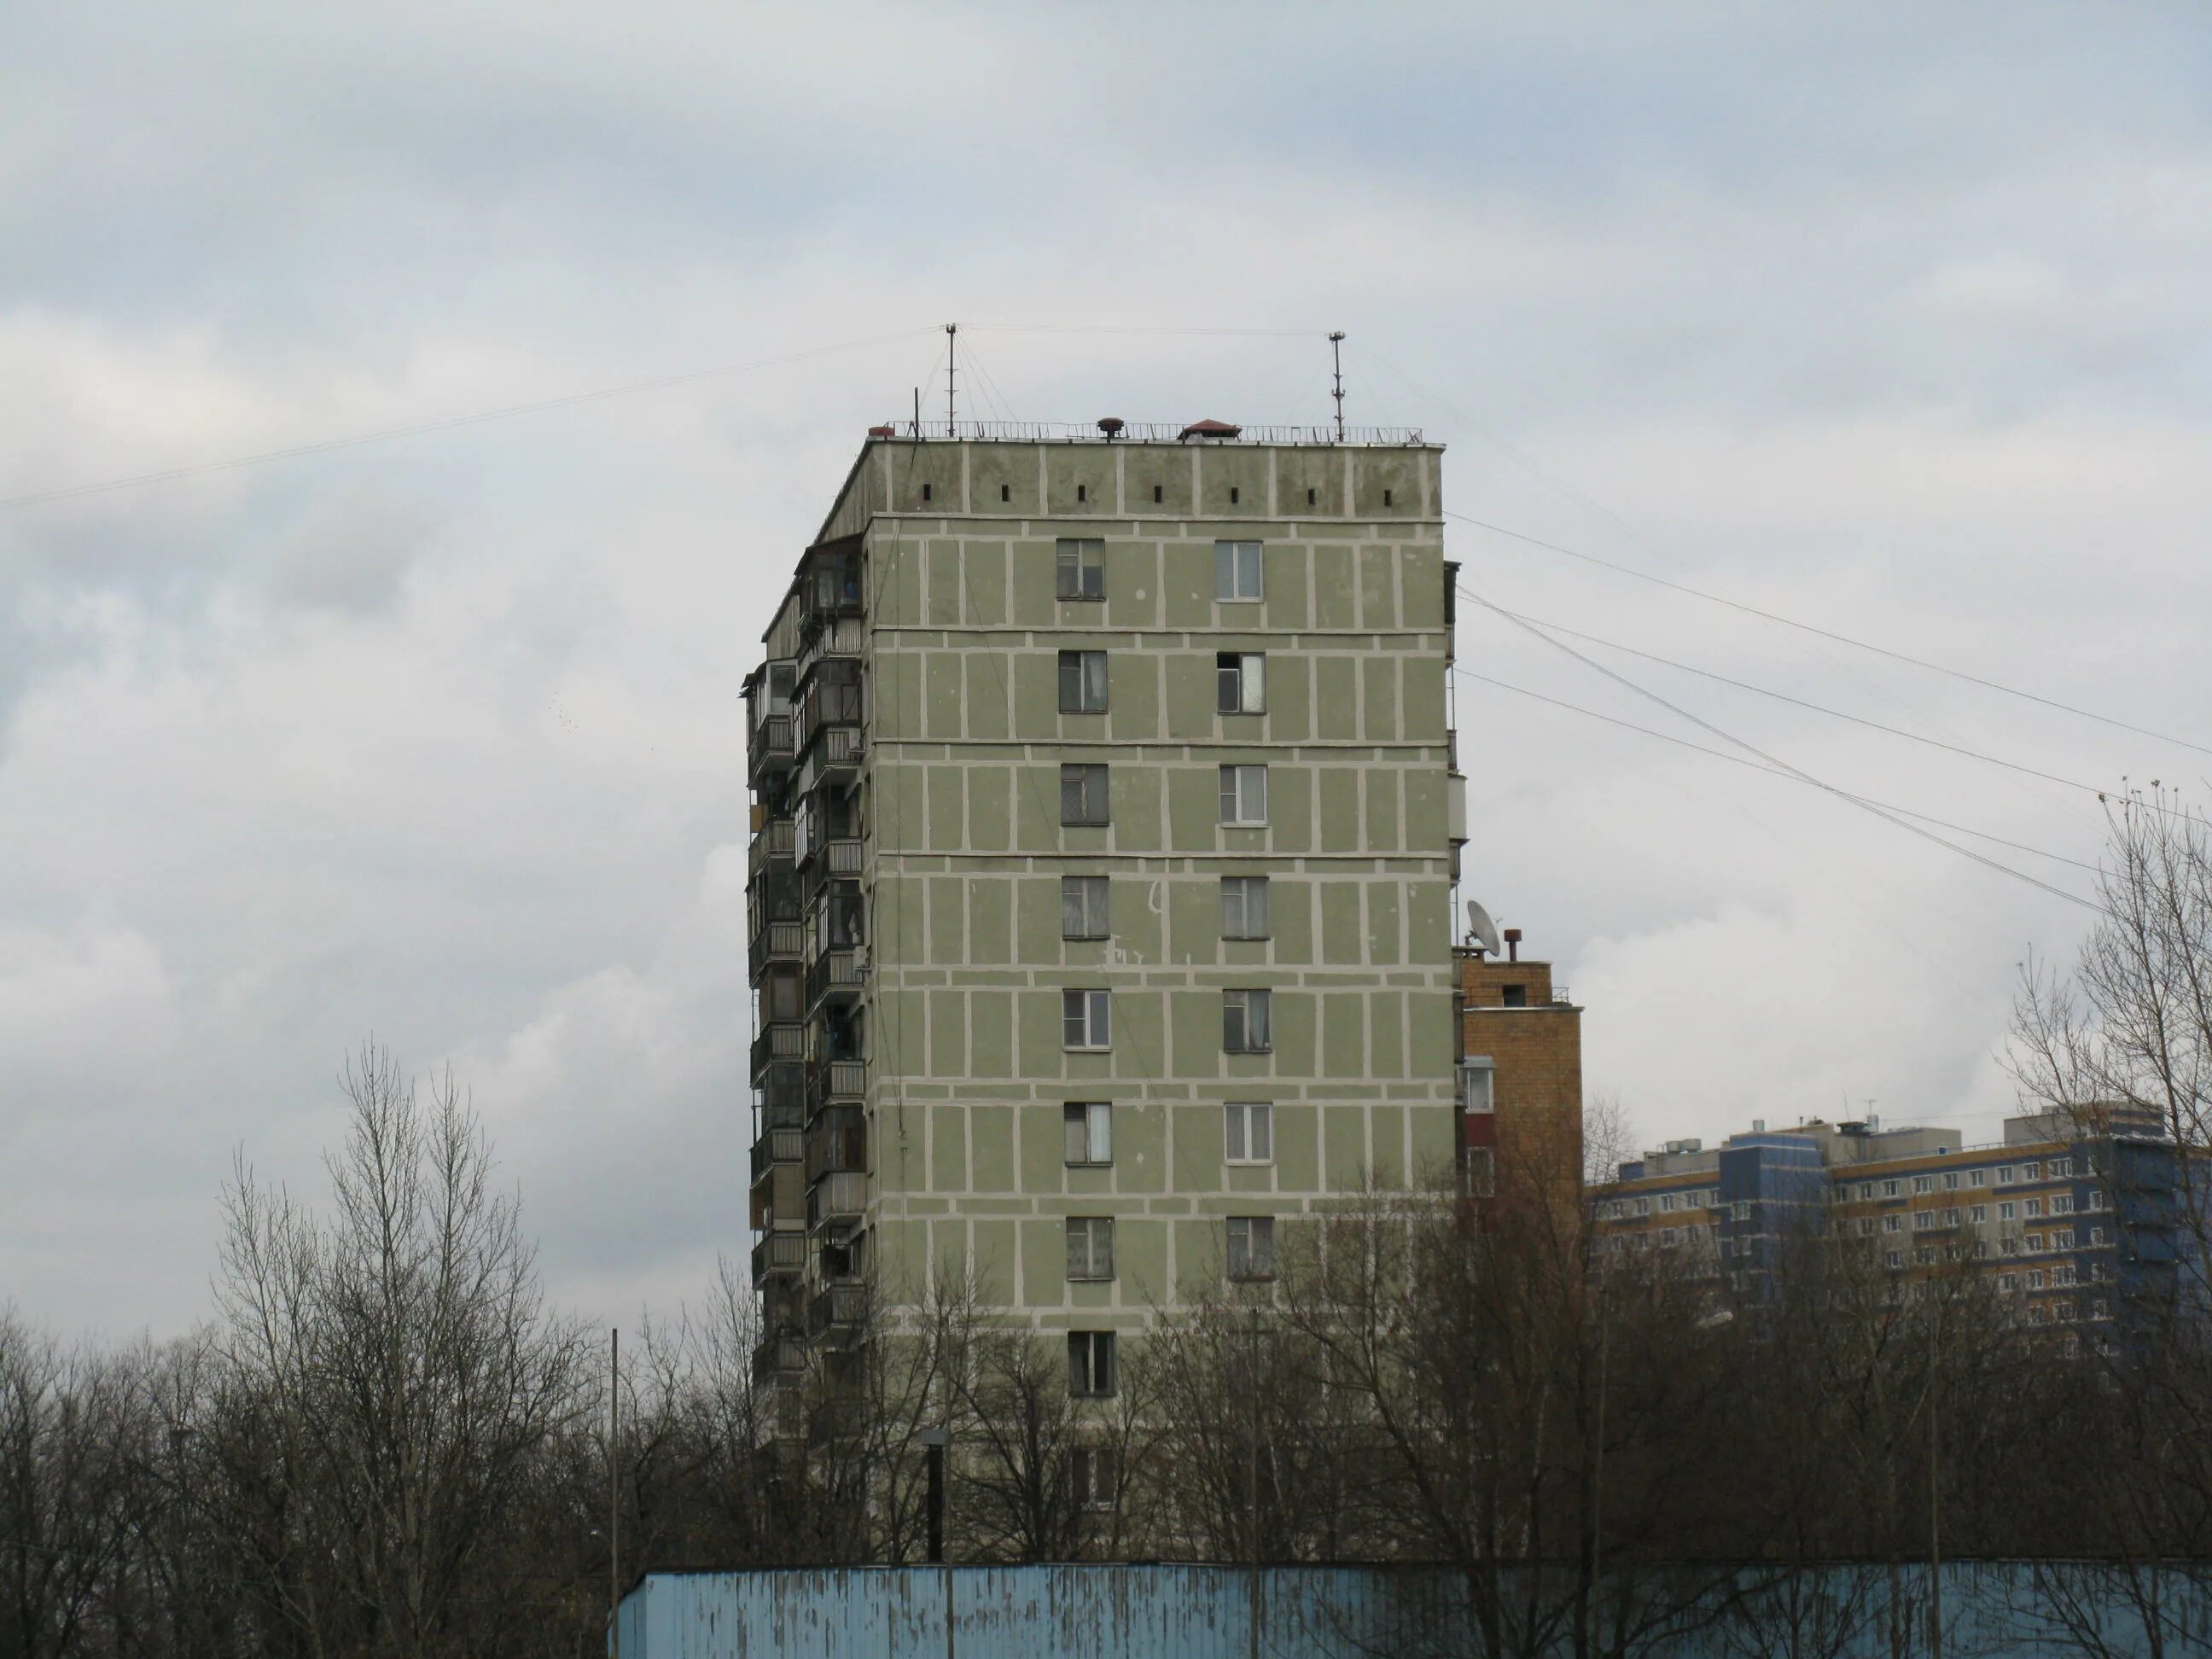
column 836, row 1142
column 836, row 758
column 832, row 1083
column 836, row 975
column 779, row 1255
column 780, row 941
column 777, row 1146
column 826, row 706
column 837, row 1314
column 779, row 1039
column 782, row 1357
column 836, row 1202
column 771, row 843
column 768, row 746
column 840, row 860
column 833, row 639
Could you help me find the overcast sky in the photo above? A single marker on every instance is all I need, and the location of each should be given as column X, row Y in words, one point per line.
column 1888, row 318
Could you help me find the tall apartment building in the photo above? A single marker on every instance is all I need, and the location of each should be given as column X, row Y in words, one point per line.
column 2079, row 1230
column 1104, row 828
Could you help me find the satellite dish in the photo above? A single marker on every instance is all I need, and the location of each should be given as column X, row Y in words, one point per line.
column 1481, row 929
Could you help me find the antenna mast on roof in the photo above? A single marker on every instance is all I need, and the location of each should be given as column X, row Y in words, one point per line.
column 1336, row 359
column 951, row 355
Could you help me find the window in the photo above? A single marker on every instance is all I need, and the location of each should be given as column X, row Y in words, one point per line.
column 1950, row 1181
column 1158, row 493
column 1084, row 907
column 1977, row 1178
column 2035, row 1279
column 2006, row 1174
column 1083, row 681
column 1236, row 495
column 2007, row 1209
column 2035, row 1241
column 2095, row 1200
column 1893, row 1223
column 1089, row 1247
column 1251, row 1132
column 1513, row 996
column 1243, row 794
column 1980, row 1214
column 2062, row 1204
column 1666, row 1203
column 2033, row 1172
column 1095, row 1475
column 1641, row 1205
column 1866, row 1226
column 1251, row 1247
column 1892, row 1188
column 2061, row 1275
column 1237, row 570
column 2096, row 1237
column 1476, row 1093
column 1005, row 492
column 1669, row 1237
column 1090, row 1131
column 1082, row 492
column 1085, row 1019
column 1083, row 795
column 1082, row 564
column 1743, row 1209
column 2034, row 1207
column 1951, row 1217
column 926, row 491
column 1090, row 1363
column 1240, row 679
column 1482, row 1175
column 1245, row 907
column 1922, row 1220
column 2061, row 1168
column 1310, row 498
column 1922, row 1184
column 1923, row 1256
column 1386, row 498
column 2008, row 1281
column 1893, row 1259
column 1244, row 1021
column 2099, row 1311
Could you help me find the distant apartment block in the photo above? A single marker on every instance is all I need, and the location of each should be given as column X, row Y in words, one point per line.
column 2080, row 1230
column 1104, row 827
column 1521, row 1078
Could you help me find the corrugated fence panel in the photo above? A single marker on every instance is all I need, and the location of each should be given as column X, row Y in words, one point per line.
column 1993, row 1610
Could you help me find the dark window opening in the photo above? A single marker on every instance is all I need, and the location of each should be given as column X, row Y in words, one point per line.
column 1310, row 498
column 1234, row 493
column 1082, row 492
column 1517, row 996
column 925, row 492
column 1386, row 498
column 1157, row 493
column 1005, row 492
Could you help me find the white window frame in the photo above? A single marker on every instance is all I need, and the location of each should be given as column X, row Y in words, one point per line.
column 1240, row 683
column 1245, row 913
column 1248, row 1248
column 1088, row 683
column 1083, row 558
column 1090, row 1249
column 1087, row 902
column 1092, row 1365
column 1239, row 572
column 1087, row 1133
column 1091, row 1020
column 1085, row 774
column 1247, row 1014
column 1248, row 1133
column 1244, row 797
column 1478, row 1086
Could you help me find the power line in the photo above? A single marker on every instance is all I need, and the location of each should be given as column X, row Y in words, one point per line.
column 1860, row 802
column 1829, row 634
column 419, row 429
column 1818, row 709
column 1759, row 766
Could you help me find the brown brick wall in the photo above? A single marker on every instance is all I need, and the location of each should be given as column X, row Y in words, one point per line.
column 1536, row 1056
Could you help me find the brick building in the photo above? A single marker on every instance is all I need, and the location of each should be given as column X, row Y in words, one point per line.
column 1521, row 1081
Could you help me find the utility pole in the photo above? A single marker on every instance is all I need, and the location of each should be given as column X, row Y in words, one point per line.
column 951, row 365
column 1336, row 361
column 1252, row 1476
column 614, row 1491
column 1934, row 1494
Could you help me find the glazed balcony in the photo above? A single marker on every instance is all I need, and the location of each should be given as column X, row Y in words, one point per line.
column 778, row 1040
column 768, row 748
column 778, row 942
column 772, row 843
column 781, row 1358
column 779, row 1257
column 824, row 707
column 836, row 1143
column 837, row 1203
column 841, row 858
column 776, row 1146
column 779, row 1194
column 836, row 1314
column 837, row 977
column 834, row 1083
column 836, row 639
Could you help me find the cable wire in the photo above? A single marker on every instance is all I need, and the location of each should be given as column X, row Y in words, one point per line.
column 324, row 446
column 1760, row 766
column 1829, row 634
column 1707, row 726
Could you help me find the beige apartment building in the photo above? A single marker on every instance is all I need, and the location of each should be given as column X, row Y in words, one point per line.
column 1105, row 825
